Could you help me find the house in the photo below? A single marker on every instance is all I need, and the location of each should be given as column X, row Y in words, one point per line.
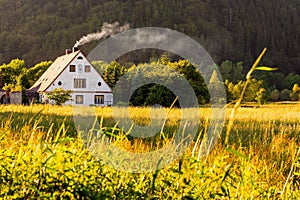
column 73, row 71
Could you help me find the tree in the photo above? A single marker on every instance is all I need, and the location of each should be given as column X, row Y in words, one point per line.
column 12, row 72
column 60, row 96
column 291, row 80
column 215, row 88
column 34, row 73
column 261, row 96
column 295, row 94
column 274, row 96
column 111, row 73
column 285, row 95
column 161, row 95
column 254, row 91
column 226, row 70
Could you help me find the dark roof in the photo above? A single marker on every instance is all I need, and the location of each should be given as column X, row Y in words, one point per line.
column 33, row 91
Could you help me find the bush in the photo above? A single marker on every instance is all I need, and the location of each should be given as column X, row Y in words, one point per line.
column 60, row 96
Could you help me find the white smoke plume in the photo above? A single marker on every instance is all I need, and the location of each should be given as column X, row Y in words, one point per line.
column 106, row 31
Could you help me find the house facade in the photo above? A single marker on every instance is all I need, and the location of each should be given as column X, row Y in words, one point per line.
column 73, row 71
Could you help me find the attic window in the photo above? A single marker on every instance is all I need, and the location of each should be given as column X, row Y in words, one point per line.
column 72, row 68
column 87, row 68
column 80, row 58
column 59, row 83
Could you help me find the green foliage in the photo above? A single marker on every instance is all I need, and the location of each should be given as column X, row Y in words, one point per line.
column 291, row 80
column 254, row 92
column 42, row 30
column 232, row 72
column 275, row 94
column 34, row 73
column 161, row 95
column 262, row 96
column 12, row 74
column 285, row 95
column 215, row 85
column 59, row 95
column 151, row 94
column 295, row 95
column 17, row 77
column 111, row 73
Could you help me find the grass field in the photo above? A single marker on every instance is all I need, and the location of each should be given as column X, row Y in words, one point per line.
column 42, row 156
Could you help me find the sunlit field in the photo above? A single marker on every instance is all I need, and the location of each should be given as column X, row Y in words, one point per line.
column 43, row 156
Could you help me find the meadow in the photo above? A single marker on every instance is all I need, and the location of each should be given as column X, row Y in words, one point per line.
column 43, row 156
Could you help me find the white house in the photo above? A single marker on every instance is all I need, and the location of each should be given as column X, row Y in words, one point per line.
column 73, row 71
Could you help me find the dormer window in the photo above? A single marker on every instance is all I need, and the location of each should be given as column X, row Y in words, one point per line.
column 72, row 68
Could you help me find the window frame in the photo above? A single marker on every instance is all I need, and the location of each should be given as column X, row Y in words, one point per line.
column 80, row 83
column 72, row 68
column 87, row 67
column 77, row 100
column 99, row 99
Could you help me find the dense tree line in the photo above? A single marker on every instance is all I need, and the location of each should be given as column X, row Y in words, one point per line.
column 15, row 76
column 236, row 30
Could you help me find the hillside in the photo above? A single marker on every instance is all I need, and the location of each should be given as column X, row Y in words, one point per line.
column 237, row 30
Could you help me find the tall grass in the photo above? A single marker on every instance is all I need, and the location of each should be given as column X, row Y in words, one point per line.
column 42, row 156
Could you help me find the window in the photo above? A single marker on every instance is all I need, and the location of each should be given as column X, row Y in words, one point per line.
column 80, row 58
column 99, row 99
column 99, row 83
column 87, row 68
column 72, row 68
column 59, row 83
column 79, row 99
column 79, row 83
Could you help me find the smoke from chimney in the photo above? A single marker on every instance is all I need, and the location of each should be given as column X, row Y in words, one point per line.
column 106, row 31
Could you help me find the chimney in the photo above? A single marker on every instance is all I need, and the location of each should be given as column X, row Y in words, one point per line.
column 75, row 49
column 68, row 51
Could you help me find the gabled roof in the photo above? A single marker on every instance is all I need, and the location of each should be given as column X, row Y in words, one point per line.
column 53, row 72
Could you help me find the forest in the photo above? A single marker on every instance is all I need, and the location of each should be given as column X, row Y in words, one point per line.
column 235, row 30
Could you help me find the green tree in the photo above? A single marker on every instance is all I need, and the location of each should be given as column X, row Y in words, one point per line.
column 226, row 70
column 12, row 72
column 285, row 95
column 295, row 94
column 111, row 73
column 161, row 95
column 60, row 96
column 215, row 86
column 262, row 96
column 291, row 80
column 274, row 96
column 254, row 91
column 34, row 73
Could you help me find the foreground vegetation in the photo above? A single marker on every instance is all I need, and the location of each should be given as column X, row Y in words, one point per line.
column 41, row 156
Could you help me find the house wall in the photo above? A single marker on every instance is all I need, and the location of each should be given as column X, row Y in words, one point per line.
column 16, row 97
column 89, row 99
column 92, row 78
